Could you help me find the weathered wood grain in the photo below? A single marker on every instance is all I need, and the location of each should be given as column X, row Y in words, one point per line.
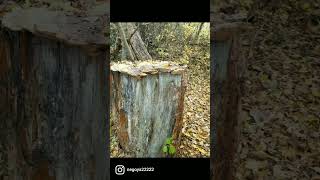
column 53, row 106
column 148, row 109
column 226, row 86
column 224, row 28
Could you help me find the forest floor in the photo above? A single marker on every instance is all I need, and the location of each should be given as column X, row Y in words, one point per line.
column 195, row 139
column 280, row 107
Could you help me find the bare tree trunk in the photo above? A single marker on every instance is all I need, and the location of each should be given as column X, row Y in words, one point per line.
column 126, row 49
column 196, row 37
column 138, row 46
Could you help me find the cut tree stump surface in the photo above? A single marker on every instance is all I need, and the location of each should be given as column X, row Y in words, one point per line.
column 76, row 29
column 147, row 110
column 143, row 68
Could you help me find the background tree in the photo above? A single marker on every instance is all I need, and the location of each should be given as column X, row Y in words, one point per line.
column 133, row 47
column 162, row 41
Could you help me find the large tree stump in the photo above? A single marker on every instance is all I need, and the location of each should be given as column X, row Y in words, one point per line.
column 226, row 79
column 53, row 86
column 147, row 105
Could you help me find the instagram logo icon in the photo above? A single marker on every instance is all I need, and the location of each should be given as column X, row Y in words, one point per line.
column 120, row 170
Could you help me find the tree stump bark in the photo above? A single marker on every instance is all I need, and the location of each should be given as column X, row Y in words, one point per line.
column 53, row 86
column 226, row 79
column 147, row 105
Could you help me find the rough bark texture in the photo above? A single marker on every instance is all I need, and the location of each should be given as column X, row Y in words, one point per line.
column 53, row 106
column 147, row 109
column 125, row 45
column 226, row 85
column 196, row 37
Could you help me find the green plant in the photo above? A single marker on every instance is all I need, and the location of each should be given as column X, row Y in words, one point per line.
column 168, row 148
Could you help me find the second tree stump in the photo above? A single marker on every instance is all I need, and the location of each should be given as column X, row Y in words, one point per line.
column 147, row 105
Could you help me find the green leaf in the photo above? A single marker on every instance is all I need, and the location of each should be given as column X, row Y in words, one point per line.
column 165, row 149
column 169, row 140
column 172, row 150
